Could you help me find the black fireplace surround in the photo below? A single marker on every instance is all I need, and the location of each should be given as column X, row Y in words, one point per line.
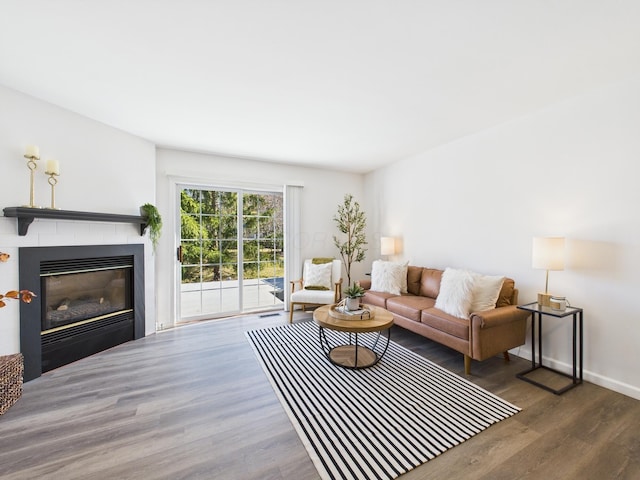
column 88, row 298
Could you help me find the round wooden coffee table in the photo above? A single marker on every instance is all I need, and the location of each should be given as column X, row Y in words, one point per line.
column 361, row 344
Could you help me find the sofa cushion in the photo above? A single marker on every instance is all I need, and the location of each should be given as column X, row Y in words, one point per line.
column 388, row 276
column 409, row 306
column 430, row 282
column 436, row 318
column 506, row 293
column 379, row 299
column 414, row 274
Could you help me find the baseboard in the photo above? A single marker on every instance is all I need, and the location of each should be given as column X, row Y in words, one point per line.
column 588, row 376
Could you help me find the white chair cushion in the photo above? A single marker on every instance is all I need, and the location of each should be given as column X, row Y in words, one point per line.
column 320, row 297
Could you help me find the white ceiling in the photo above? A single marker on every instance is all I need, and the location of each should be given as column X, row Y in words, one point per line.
column 344, row 84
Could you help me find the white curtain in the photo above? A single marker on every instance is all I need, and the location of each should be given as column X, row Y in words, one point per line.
column 292, row 261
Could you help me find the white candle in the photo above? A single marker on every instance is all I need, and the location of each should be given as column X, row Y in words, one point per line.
column 32, row 151
column 53, row 167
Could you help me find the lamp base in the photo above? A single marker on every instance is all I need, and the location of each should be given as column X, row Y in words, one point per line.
column 544, row 299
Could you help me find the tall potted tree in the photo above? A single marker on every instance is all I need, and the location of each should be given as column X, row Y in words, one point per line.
column 351, row 222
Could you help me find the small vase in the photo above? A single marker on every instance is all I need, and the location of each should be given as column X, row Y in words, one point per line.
column 353, row 303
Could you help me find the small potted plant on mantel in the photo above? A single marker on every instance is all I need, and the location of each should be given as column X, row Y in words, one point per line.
column 353, row 294
column 154, row 222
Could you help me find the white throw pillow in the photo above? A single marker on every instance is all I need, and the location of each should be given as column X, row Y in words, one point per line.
column 317, row 277
column 403, row 284
column 486, row 290
column 456, row 289
column 388, row 277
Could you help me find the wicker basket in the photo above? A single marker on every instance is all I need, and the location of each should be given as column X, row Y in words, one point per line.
column 11, row 370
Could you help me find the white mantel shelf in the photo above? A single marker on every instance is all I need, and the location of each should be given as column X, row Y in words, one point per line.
column 26, row 215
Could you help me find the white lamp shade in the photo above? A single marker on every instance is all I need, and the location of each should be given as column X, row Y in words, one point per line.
column 387, row 246
column 548, row 253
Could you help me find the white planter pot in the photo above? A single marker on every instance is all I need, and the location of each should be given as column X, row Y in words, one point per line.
column 353, row 303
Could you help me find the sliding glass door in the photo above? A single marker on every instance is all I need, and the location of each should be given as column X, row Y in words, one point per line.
column 231, row 252
column 263, row 251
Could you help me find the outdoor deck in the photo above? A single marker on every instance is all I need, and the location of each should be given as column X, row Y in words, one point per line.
column 221, row 297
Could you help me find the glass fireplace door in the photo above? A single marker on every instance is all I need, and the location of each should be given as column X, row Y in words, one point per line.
column 80, row 297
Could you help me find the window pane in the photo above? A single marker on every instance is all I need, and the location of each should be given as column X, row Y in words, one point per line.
column 229, row 227
column 229, row 271
column 211, row 227
column 250, row 270
column 279, row 266
column 190, row 274
column 250, row 227
column 210, row 202
column 251, row 204
column 191, row 252
column 267, row 270
column 250, row 251
column 190, row 226
column 210, row 252
column 228, row 204
column 211, row 273
column 266, row 250
column 190, row 201
column 265, row 227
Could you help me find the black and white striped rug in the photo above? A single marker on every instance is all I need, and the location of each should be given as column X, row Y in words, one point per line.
column 374, row 423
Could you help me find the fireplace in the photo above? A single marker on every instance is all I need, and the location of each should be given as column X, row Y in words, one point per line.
column 89, row 299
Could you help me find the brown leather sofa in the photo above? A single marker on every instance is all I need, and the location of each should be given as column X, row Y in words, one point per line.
column 480, row 336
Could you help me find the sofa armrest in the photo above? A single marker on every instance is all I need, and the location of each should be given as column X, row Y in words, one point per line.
column 366, row 283
column 497, row 316
column 496, row 331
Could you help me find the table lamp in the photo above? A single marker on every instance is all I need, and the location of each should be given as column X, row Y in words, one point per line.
column 387, row 246
column 547, row 254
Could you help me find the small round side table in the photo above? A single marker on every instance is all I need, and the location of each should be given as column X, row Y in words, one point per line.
column 356, row 352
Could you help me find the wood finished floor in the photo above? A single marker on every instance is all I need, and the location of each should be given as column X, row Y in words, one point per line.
column 193, row 403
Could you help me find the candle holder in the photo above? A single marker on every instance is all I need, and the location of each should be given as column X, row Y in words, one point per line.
column 53, row 181
column 32, row 165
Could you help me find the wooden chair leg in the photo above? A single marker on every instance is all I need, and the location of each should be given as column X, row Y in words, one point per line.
column 506, row 356
column 467, row 365
column 291, row 313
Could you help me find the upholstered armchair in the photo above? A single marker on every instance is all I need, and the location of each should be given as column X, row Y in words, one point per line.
column 320, row 284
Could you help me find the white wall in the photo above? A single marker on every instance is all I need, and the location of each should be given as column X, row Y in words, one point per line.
column 475, row 203
column 101, row 170
column 323, row 191
column 568, row 170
